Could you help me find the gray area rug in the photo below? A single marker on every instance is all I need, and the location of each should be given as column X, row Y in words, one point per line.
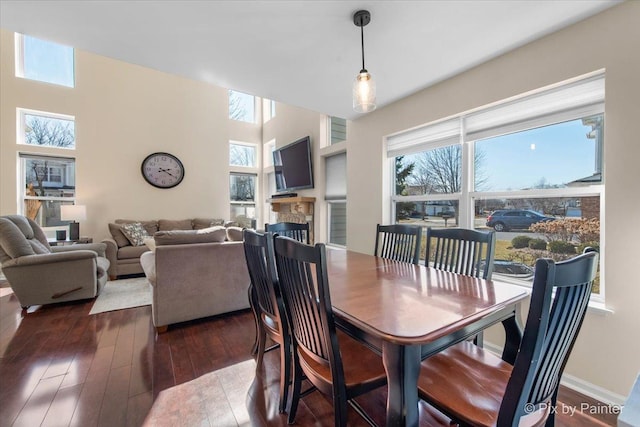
column 121, row 294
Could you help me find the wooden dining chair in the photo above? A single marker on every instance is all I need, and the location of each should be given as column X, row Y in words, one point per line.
column 334, row 363
column 474, row 387
column 399, row 242
column 299, row 232
column 462, row 251
column 268, row 305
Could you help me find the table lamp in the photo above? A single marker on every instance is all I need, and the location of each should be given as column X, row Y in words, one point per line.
column 73, row 213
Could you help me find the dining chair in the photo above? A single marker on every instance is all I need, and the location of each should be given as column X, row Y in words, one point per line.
column 462, row 251
column 474, row 387
column 399, row 242
column 334, row 363
column 299, row 232
column 268, row 305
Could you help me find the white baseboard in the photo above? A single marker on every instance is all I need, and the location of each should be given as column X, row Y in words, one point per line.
column 574, row 383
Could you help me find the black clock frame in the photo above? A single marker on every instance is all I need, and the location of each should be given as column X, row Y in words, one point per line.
column 162, row 153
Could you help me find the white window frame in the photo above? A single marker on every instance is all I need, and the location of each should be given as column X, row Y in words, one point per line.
column 255, row 170
column 21, row 114
column 19, row 60
column 451, row 131
column 255, row 105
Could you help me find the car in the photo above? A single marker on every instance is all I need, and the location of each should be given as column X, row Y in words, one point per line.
column 508, row 219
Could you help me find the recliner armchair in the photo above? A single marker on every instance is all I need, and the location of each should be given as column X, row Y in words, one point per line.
column 40, row 274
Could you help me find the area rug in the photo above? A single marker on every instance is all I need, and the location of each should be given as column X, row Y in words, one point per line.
column 121, row 294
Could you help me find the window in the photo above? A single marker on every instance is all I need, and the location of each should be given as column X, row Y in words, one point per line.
column 269, row 109
column 44, row 61
column 530, row 168
column 48, row 183
column 243, row 177
column 242, row 155
column 336, row 198
column 242, row 107
column 47, row 129
column 337, row 129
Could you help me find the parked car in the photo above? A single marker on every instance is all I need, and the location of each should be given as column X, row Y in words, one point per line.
column 507, row 219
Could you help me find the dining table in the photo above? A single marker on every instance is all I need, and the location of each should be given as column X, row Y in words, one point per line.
column 407, row 312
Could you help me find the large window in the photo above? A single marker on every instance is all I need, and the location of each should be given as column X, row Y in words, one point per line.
column 242, row 107
column 530, row 169
column 44, row 61
column 48, row 183
column 46, row 129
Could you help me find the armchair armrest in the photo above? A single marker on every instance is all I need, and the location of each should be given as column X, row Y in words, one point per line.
column 51, row 258
column 98, row 248
column 112, row 255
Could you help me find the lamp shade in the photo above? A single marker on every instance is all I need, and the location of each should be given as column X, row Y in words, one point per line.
column 73, row 212
column 364, row 92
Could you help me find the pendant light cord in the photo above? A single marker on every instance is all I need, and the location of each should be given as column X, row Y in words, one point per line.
column 362, row 45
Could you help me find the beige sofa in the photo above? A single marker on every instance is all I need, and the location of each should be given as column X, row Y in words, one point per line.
column 193, row 275
column 124, row 257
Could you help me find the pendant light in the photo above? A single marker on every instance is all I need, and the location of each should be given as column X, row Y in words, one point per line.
column 364, row 88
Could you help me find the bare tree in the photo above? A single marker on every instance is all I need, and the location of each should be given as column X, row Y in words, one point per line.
column 236, row 109
column 440, row 170
column 241, row 155
column 243, row 188
column 49, row 132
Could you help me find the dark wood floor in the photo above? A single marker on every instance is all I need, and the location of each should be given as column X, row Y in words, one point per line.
column 61, row 367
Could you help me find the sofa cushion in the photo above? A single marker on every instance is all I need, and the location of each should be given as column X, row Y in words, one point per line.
column 169, row 224
column 132, row 252
column 234, row 234
column 182, row 237
column 135, row 233
column 200, row 223
column 120, row 239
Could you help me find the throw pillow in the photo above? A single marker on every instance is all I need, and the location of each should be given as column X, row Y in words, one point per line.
column 234, row 234
column 135, row 233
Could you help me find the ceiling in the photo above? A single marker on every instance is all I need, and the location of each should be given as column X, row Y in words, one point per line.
column 303, row 53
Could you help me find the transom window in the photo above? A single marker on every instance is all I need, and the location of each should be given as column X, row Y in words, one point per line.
column 46, row 129
column 44, row 61
column 242, row 107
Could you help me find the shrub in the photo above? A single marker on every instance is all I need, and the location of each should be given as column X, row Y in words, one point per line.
column 568, row 229
column 538, row 244
column 520, row 242
column 560, row 247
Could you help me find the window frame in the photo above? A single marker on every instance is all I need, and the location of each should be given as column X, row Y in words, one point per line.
column 22, row 114
column 19, row 41
column 468, row 196
column 255, row 171
column 253, row 114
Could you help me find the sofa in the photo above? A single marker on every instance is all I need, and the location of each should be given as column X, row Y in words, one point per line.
column 195, row 274
column 124, row 255
column 41, row 274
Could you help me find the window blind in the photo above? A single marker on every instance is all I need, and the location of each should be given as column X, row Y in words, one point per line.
column 439, row 134
column 336, row 177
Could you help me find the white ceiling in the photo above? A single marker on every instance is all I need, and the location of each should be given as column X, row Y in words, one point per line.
column 303, row 53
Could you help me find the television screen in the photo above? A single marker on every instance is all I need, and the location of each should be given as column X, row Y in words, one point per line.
column 292, row 165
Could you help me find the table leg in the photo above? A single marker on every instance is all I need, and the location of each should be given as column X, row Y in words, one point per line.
column 402, row 364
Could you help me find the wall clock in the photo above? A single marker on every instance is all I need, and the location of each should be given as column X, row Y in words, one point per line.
column 162, row 170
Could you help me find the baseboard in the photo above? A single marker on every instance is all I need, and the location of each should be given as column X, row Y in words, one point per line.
column 574, row 383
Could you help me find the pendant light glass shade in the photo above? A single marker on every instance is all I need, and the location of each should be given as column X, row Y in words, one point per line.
column 364, row 93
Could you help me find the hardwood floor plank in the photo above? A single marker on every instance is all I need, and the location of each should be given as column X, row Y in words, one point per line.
column 60, row 366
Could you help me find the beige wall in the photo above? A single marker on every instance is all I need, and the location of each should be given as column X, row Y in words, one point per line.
column 124, row 112
column 607, row 352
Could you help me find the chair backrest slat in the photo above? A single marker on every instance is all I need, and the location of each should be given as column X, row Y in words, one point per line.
column 299, row 232
column 399, row 242
column 462, row 251
column 258, row 251
column 553, row 323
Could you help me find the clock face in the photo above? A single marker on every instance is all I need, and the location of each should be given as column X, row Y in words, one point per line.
column 162, row 170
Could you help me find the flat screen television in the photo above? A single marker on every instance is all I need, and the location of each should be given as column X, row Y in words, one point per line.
column 292, row 164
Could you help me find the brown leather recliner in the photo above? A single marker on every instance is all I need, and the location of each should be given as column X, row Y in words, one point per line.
column 40, row 274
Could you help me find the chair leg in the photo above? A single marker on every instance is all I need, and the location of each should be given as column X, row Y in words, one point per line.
column 295, row 392
column 340, row 410
column 285, row 372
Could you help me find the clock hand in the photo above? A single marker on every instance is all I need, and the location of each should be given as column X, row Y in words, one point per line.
column 166, row 171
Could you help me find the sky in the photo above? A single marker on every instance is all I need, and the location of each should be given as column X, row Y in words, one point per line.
column 558, row 153
column 48, row 62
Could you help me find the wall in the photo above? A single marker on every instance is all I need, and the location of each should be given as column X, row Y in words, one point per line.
column 123, row 113
column 606, row 353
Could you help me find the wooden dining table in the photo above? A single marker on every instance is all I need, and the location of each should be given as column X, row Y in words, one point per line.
column 408, row 312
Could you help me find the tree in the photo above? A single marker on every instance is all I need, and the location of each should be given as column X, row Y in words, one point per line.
column 237, row 111
column 49, row 132
column 241, row 155
column 403, row 209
